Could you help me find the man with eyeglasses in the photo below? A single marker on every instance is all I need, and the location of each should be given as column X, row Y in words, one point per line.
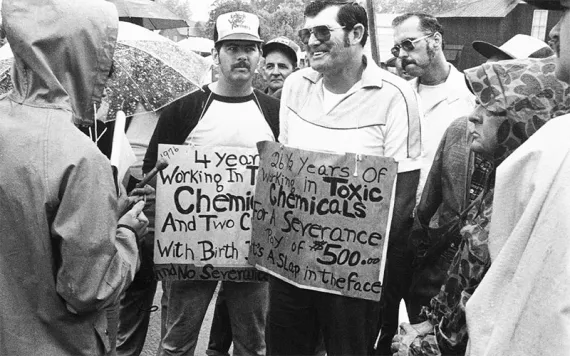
column 444, row 97
column 343, row 103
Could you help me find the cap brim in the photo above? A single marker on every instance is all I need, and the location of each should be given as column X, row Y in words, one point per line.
column 546, row 4
column 271, row 46
column 488, row 50
column 240, row 37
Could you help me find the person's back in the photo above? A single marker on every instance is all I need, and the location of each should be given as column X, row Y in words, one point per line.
column 60, row 264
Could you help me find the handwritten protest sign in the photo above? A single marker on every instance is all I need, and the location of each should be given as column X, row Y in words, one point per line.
column 204, row 202
column 321, row 220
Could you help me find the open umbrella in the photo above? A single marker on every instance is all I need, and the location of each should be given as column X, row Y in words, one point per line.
column 148, row 14
column 149, row 69
column 200, row 45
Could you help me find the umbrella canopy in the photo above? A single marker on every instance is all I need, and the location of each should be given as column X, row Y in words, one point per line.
column 148, row 13
column 148, row 68
column 197, row 44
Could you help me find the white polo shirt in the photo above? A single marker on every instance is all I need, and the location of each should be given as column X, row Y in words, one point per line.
column 378, row 116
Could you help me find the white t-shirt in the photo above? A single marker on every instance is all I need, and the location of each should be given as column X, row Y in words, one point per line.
column 231, row 121
column 330, row 99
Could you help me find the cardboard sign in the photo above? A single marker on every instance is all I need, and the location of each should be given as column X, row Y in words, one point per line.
column 204, row 202
column 321, row 220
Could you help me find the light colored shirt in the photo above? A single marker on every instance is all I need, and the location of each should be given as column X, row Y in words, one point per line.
column 231, row 121
column 441, row 105
column 378, row 116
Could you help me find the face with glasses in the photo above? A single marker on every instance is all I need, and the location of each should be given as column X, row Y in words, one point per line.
column 415, row 48
column 325, row 41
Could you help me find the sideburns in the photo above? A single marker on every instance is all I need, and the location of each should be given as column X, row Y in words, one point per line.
column 346, row 40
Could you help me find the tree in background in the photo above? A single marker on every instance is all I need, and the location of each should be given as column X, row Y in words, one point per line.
column 181, row 8
column 433, row 7
column 221, row 7
column 278, row 17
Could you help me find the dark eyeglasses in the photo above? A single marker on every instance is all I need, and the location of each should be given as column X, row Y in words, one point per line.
column 407, row 45
column 322, row 33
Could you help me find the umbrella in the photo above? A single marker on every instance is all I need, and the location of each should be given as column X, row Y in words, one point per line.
column 197, row 44
column 149, row 68
column 148, row 14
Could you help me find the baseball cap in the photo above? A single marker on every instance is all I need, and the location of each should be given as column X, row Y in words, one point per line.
column 284, row 43
column 238, row 25
column 518, row 47
column 546, row 4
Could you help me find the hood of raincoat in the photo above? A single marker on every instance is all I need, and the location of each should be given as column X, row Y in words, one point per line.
column 62, row 58
column 526, row 91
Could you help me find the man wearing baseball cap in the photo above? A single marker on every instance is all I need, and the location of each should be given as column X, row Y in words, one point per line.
column 228, row 112
column 280, row 61
column 521, row 307
column 518, row 47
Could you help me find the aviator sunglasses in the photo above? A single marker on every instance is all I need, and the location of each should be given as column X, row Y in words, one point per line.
column 407, row 45
column 322, row 33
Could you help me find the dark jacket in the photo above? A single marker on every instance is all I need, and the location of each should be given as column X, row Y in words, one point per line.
column 446, row 191
column 179, row 119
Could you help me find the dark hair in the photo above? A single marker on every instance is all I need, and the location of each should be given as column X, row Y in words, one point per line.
column 349, row 14
column 428, row 23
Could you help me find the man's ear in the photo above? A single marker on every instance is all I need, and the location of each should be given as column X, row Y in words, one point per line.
column 215, row 57
column 358, row 31
column 438, row 39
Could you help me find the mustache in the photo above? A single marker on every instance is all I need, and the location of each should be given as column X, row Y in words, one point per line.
column 407, row 61
column 241, row 65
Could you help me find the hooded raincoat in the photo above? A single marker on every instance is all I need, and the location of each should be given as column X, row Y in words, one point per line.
column 523, row 95
column 62, row 260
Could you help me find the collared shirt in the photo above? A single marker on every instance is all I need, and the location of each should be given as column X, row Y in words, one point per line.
column 440, row 105
column 379, row 116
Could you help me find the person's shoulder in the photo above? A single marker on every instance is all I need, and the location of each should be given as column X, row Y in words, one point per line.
column 194, row 97
column 307, row 74
column 266, row 97
column 267, row 102
column 183, row 107
column 77, row 148
column 457, row 131
column 459, row 124
column 553, row 131
column 458, row 82
column 398, row 89
column 392, row 78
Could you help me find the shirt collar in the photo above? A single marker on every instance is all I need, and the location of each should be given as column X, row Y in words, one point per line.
column 372, row 76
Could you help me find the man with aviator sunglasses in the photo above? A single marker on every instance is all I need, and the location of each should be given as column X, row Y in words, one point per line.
column 444, row 97
column 322, row 33
column 343, row 103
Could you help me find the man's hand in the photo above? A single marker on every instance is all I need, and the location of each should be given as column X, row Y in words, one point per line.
column 402, row 341
column 136, row 219
column 406, row 335
column 146, row 192
column 127, row 201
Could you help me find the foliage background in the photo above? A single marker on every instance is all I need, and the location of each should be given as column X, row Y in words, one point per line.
column 285, row 17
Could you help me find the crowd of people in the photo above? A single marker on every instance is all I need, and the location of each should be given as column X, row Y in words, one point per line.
column 477, row 247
